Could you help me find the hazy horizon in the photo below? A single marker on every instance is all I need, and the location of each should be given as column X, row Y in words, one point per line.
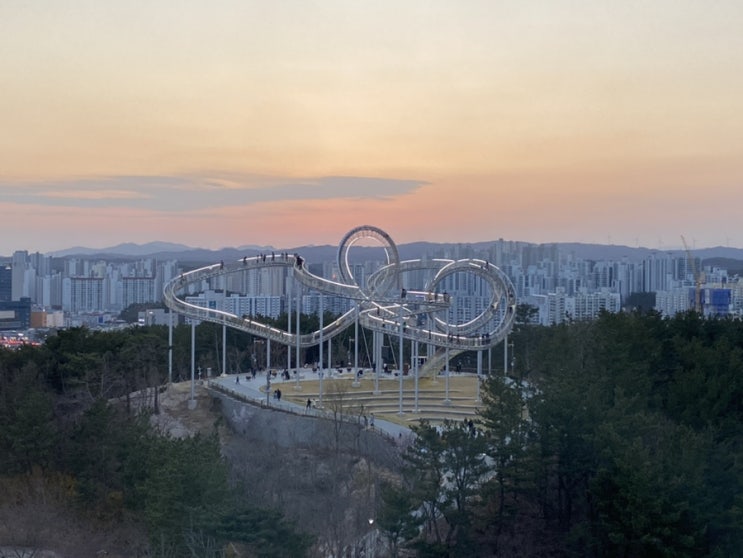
column 134, row 250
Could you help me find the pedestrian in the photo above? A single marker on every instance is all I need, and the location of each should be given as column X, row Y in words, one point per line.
column 371, row 420
column 309, row 404
column 278, row 394
column 237, row 379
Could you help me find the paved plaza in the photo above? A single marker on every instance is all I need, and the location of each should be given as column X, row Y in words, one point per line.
column 343, row 394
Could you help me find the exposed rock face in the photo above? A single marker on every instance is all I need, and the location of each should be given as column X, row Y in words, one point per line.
column 175, row 418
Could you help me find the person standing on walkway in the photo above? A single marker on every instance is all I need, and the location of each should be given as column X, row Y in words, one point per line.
column 371, row 421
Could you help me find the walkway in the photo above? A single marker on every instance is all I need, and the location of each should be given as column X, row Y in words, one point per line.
column 357, row 400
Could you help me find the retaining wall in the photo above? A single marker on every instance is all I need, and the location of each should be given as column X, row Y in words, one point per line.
column 289, row 430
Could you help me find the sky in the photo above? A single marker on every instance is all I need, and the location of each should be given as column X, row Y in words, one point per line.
column 287, row 123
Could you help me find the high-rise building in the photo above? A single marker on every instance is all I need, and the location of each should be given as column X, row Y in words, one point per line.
column 588, row 305
column 84, row 294
column 19, row 263
column 6, row 283
column 138, row 290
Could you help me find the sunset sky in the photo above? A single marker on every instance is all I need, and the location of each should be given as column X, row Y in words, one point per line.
column 287, row 123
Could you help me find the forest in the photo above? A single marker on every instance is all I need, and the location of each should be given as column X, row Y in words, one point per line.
column 621, row 436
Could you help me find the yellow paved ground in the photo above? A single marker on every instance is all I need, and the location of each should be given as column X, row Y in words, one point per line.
column 340, row 394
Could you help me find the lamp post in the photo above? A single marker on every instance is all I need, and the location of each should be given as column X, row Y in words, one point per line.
column 372, row 539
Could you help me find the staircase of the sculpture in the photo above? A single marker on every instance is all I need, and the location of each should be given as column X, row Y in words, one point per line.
column 437, row 362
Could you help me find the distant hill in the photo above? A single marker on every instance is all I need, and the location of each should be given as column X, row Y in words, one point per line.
column 730, row 258
column 609, row 251
column 617, row 252
column 733, row 266
column 125, row 249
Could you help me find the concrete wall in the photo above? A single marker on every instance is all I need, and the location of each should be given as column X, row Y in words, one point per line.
column 289, row 430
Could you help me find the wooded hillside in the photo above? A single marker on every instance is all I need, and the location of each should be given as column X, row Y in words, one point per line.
column 617, row 437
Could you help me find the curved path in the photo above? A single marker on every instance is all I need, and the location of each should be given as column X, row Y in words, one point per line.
column 383, row 306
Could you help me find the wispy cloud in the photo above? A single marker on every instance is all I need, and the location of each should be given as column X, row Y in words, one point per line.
column 90, row 194
column 205, row 191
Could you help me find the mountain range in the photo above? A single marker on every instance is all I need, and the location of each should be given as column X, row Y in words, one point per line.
column 184, row 253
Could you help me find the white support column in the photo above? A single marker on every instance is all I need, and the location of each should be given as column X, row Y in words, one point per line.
column 192, row 401
column 297, row 386
column 321, row 373
column 377, row 361
column 322, row 342
column 268, row 354
column 430, row 352
column 415, row 349
column 289, row 322
column 224, row 349
column 479, row 375
column 447, row 401
column 399, row 325
column 356, row 345
column 505, row 355
column 170, row 346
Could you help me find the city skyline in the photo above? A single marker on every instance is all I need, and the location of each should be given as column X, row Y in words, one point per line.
column 286, row 124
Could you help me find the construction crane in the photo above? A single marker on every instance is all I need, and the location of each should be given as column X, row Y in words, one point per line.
column 698, row 277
